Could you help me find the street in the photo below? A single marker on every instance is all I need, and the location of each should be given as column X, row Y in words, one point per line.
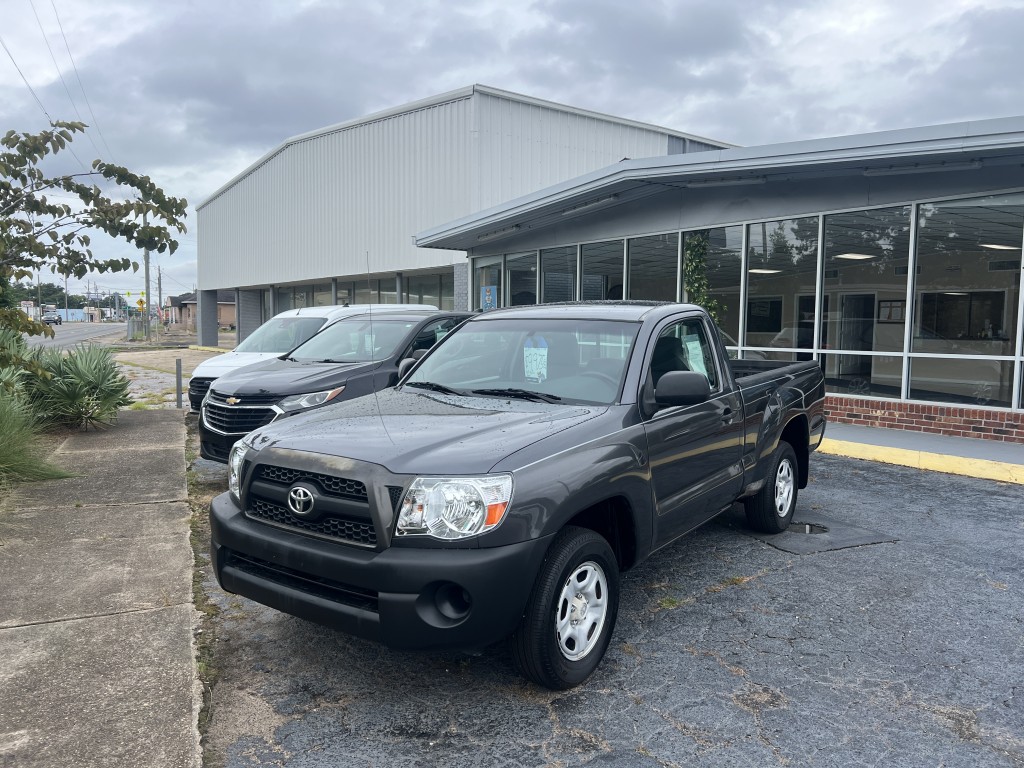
column 892, row 639
column 67, row 335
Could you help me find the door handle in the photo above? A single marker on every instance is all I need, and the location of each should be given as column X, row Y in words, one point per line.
column 728, row 415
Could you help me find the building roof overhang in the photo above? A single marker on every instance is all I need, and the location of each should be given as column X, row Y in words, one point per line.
column 934, row 149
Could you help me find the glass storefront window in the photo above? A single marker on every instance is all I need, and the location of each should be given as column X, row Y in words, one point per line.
column 487, row 283
column 423, row 289
column 602, row 270
column 712, row 260
column 521, row 278
column 782, row 268
column 966, row 293
column 389, row 291
column 558, row 274
column 654, row 267
column 367, row 292
column 322, row 295
column 447, row 291
column 864, row 305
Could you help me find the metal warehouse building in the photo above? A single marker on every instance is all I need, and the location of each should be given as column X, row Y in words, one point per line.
column 329, row 217
column 893, row 258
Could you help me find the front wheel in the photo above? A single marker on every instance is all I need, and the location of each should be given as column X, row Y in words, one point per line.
column 569, row 619
column 770, row 510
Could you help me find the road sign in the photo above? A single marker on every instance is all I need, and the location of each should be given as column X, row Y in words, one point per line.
column 141, row 304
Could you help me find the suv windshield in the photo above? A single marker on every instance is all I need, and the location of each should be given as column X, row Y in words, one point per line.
column 281, row 334
column 356, row 340
column 532, row 359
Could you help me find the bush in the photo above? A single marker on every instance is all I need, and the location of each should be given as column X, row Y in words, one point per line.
column 85, row 387
column 21, row 452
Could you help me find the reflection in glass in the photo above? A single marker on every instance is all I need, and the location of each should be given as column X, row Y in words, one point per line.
column 423, row 289
column 862, row 375
column 782, row 260
column 558, row 274
column 968, row 255
column 961, row 380
column 653, row 267
column 447, row 291
column 602, row 270
column 322, row 295
column 712, row 261
column 521, row 274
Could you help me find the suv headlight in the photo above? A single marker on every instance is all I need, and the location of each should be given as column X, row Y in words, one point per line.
column 454, row 507
column 299, row 402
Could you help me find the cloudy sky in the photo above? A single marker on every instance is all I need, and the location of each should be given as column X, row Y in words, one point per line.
column 192, row 92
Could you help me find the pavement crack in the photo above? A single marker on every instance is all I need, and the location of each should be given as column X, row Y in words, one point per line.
column 89, row 616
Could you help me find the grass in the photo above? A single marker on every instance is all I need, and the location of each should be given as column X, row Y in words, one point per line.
column 23, row 449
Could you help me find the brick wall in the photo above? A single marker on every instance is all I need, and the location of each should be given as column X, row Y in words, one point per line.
column 982, row 423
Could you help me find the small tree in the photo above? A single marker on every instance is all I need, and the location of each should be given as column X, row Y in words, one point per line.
column 38, row 233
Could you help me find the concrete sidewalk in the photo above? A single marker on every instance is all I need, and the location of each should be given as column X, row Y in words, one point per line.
column 96, row 614
column 985, row 459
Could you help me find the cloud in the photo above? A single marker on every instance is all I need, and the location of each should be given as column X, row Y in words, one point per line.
column 191, row 93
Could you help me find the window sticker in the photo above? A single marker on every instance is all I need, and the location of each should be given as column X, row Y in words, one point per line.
column 695, row 354
column 535, row 359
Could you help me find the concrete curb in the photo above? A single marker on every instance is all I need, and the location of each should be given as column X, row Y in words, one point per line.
column 935, row 462
column 207, row 349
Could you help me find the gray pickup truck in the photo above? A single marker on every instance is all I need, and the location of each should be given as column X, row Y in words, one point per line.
column 501, row 488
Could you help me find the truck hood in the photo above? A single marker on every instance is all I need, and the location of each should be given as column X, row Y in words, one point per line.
column 288, row 377
column 221, row 365
column 426, row 433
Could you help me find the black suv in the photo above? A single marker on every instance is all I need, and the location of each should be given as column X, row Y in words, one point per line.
column 350, row 358
column 52, row 318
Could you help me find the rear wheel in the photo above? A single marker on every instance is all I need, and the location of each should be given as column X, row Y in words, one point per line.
column 771, row 509
column 569, row 619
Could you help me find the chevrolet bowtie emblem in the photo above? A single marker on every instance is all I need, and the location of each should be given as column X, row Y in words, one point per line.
column 233, row 401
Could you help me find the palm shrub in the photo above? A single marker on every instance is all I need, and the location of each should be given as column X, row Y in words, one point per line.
column 22, row 452
column 85, row 387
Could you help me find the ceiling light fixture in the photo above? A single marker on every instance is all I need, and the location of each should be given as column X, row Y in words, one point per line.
column 899, row 170
column 498, row 233
column 736, row 182
column 589, row 204
column 997, row 247
column 762, row 271
column 854, row 256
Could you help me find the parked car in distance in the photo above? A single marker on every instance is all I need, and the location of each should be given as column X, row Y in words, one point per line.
column 501, row 487
column 52, row 318
column 352, row 357
column 281, row 333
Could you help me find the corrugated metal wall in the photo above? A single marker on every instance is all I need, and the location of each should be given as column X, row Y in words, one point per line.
column 347, row 204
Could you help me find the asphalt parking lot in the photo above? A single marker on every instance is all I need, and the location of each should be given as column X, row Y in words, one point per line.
column 896, row 638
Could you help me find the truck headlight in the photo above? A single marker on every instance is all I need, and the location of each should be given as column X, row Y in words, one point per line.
column 300, row 402
column 454, row 507
column 235, row 460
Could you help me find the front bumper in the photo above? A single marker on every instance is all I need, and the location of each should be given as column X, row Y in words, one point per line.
column 402, row 596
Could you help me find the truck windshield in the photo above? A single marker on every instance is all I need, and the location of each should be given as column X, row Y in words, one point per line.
column 545, row 360
column 280, row 334
column 357, row 340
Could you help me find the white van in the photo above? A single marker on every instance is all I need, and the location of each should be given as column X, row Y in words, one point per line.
column 281, row 333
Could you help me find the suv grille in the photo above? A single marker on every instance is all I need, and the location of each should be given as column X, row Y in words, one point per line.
column 236, row 421
column 197, row 388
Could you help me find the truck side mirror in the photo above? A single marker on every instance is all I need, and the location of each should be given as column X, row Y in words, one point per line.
column 405, row 366
column 682, row 388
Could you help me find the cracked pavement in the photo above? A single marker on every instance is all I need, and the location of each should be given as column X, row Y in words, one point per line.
column 727, row 651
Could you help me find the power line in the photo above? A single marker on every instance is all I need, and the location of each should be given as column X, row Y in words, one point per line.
column 95, row 123
column 25, row 80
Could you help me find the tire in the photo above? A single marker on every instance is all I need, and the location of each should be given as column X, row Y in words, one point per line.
column 771, row 509
column 580, row 573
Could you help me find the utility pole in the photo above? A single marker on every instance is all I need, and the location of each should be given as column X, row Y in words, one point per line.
column 146, row 252
column 159, row 291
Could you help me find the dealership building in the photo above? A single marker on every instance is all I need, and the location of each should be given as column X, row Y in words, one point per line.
column 894, row 258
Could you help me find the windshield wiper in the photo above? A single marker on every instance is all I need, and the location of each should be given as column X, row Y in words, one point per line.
column 521, row 394
column 434, row 387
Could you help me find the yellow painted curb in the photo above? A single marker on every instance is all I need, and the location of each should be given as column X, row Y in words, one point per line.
column 936, row 462
column 207, row 349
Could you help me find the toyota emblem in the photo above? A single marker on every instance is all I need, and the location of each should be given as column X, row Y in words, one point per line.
column 300, row 501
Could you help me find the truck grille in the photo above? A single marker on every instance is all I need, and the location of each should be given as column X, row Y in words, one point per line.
column 232, row 420
column 329, row 484
column 328, row 589
column 337, row 528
